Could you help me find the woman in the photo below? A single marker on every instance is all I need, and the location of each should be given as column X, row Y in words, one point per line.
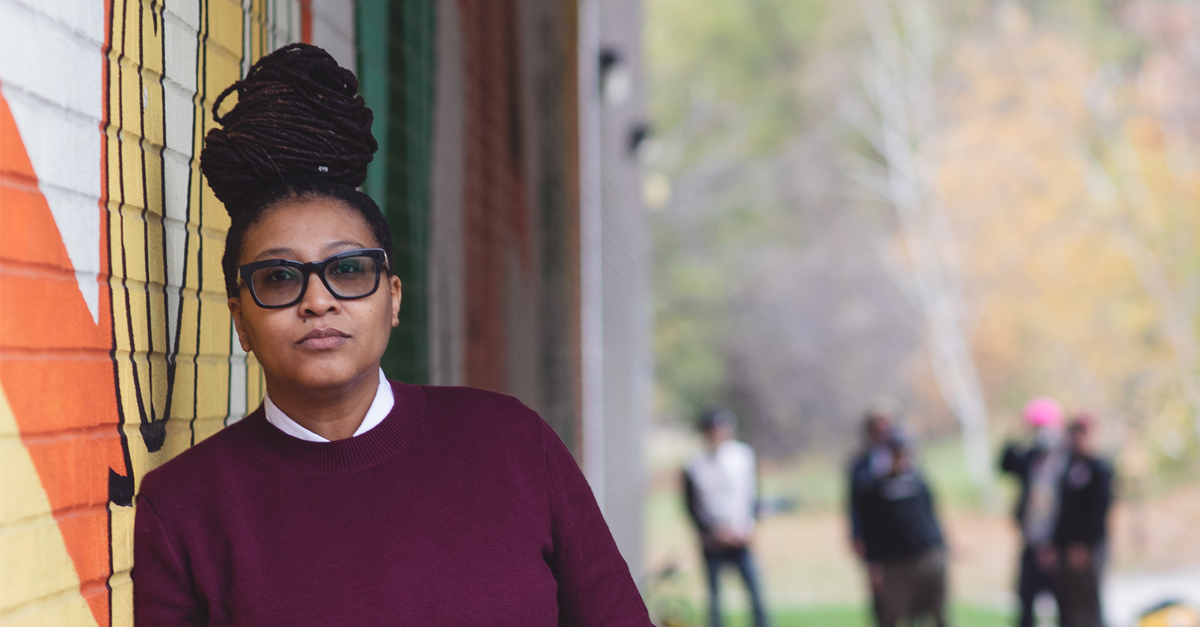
column 347, row 499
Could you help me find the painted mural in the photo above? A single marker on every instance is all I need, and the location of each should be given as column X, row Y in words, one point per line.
column 116, row 347
column 116, row 351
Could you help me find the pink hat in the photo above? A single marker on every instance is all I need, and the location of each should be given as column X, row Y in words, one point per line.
column 1043, row 411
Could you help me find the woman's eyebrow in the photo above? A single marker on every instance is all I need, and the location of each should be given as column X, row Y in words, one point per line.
column 290, row 253
column 346, row 243
column 275, row 252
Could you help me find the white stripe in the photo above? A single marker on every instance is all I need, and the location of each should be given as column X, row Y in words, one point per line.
column 50, row 68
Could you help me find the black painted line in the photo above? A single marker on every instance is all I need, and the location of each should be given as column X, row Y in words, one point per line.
column 202, row 89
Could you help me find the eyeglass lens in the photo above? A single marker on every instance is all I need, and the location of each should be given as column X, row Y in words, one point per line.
column 348, row 277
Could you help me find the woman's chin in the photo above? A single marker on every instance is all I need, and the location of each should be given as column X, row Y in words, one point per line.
column 323, row 374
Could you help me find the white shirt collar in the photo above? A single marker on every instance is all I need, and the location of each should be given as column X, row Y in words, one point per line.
column 379, row 409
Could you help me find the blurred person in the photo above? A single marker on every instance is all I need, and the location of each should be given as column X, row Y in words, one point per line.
column 903, row 541
column 1081, row 534
column 345, row 498
column 721, row 491
column 1039, row 466
column 871, row 464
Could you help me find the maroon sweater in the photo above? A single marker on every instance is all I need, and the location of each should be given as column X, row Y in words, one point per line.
column 461, row 508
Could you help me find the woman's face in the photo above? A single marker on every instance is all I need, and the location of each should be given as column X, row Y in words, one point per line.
column 356, row 331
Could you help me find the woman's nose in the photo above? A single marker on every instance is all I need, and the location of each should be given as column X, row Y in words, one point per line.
column 317, row 299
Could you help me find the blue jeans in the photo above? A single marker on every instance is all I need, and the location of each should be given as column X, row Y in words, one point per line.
column 714, row 561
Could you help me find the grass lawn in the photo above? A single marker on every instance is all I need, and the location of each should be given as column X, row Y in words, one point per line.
column 842, row 616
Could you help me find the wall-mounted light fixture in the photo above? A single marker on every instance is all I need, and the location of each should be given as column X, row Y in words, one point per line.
column 639, row 136
column 616, row 81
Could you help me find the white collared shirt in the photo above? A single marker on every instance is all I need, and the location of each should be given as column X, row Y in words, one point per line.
column 379, row 409
column 726, row 480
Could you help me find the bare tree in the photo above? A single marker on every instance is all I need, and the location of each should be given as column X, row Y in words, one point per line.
column 900, row 121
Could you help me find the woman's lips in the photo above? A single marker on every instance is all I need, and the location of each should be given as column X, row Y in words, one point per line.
column 323, row 339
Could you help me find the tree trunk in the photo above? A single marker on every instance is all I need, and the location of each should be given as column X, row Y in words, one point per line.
column 897, row 77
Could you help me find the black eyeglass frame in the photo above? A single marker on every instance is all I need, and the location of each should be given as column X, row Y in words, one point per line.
column 313, row 267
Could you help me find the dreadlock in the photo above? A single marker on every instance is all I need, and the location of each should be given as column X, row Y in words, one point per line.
column 299, row 130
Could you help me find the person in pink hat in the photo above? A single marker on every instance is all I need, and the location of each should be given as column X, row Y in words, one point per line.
column 1039, row 466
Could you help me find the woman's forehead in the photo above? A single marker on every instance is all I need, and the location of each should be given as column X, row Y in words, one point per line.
column 307, row 227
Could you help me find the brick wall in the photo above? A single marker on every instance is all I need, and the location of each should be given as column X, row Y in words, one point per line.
column 116, row 351
column 509, row 240
column 116, row 348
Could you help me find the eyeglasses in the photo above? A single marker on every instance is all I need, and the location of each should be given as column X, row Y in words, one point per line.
column 280, row 283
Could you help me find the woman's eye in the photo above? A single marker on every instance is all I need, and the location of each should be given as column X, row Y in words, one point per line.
column 281, row 276
column 347, row 266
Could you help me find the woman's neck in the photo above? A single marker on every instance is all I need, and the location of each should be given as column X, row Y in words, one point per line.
column 334, row 414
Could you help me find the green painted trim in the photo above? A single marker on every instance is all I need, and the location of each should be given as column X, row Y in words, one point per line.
column 396, row 62
column 372, row 35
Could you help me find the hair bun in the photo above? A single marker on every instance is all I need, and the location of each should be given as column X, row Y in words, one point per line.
column 298, row 115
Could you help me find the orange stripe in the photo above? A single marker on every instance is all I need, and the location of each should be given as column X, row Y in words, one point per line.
column 42, row 309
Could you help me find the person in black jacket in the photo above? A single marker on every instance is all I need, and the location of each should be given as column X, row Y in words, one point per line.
column 1082, row 529
column 1039, row 468
column 872, row 462
column 903, row 542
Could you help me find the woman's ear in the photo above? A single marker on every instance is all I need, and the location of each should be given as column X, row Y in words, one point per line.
column 394, row 284
column 235, row 310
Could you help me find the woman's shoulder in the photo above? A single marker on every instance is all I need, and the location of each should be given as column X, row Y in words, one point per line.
column 483, row 404
column 489, row 415
column 200, row 464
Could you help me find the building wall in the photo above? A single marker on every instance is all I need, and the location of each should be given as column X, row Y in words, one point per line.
column 473, row 172
column 116, row 351
column 503, row 259
column 116, row 347
column 396, row 59
column 628, row 368
column 617, row 367
column 447, row 294
column 548, row 86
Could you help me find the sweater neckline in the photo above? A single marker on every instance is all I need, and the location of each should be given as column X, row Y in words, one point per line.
column 328, row 459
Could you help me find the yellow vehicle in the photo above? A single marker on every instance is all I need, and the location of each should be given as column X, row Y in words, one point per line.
column 1170, row 614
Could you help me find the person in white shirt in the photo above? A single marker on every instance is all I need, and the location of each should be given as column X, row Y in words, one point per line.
column 721, row 491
